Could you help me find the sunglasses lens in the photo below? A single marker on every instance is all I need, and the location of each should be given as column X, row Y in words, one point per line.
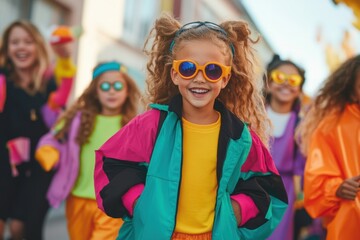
column 295, row 80
column 118, row 86
column 213, row 71
column 105, row 86
column 187, row 69
column 278, row 77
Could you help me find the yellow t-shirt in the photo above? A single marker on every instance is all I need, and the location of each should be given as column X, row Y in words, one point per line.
column 196, row 207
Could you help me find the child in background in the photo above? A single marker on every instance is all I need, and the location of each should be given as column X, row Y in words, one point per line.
column 109, row 103
column 190, row 168
column 61, row 43
column 330, row 137
column 286, row 80
column 30, row 100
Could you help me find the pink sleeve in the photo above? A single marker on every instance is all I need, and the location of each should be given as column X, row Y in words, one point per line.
column 130, row 196
column 247, row 206
column 259, row 158
column 2, row 92
column 59, row 98
column 137, row 145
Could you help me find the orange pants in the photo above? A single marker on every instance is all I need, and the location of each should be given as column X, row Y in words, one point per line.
column 185, row 236
column 86, row 221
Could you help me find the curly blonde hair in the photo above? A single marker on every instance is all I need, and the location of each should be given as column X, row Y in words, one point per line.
column 242, row 95
column 336, row 92
column 89, row 106
column 42, row 61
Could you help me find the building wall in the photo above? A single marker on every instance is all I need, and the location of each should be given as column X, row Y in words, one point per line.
column 43, row 13
column 223, row 10
column 117, row 29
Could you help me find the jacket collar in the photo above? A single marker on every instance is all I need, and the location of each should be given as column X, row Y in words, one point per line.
column 230, row 124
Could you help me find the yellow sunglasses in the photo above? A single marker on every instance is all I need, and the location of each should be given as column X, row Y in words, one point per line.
column 212, row 71
column 279, row 77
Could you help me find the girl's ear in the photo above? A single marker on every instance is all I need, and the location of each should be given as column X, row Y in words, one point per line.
column 174, row 76
column 225, row 81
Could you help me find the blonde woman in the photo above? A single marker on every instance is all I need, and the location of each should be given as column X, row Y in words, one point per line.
column 30, row 100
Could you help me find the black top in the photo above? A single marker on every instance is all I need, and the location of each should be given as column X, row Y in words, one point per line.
column 22, row 117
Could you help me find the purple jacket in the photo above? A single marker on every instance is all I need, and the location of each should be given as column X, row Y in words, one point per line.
column 68, row 167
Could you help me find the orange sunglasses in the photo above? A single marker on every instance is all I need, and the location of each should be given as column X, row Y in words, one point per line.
column 212, row 71
column 279, row 77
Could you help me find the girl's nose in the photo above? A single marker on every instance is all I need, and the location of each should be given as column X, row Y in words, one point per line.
column 199, row 77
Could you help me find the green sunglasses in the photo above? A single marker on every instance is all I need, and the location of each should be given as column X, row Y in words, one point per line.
column 106, row 86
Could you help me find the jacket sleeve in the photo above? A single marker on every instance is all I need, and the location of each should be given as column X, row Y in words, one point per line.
column 2, row 91
column 121, row 162
column 64, row 75
column 60, row 84
column 262, row 183
column 48, row 151
column 322, row 177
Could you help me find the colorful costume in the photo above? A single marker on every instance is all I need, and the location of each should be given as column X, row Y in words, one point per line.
column 73, row 179
column 24, row 119
column 67, row 167
column 289, row 162
column 334, row 156
column 138, row 156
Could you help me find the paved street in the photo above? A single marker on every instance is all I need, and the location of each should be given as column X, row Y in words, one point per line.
column 55, row 225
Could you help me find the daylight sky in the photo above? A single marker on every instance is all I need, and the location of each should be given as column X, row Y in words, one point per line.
column 291, row 27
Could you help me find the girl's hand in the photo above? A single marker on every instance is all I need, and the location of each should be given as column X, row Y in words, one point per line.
column 237, row 211
column 349, row 188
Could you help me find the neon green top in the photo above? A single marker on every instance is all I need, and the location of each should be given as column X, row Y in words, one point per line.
column 105, row 127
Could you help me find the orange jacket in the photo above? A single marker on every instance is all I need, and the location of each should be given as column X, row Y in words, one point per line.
column 334, row 156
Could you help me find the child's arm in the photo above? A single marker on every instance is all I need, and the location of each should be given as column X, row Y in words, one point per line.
column 322, row 177
column 299, row 202
column 64, row 74
column 47, row 152
column 121, row 168
column 299, row 166
column 260, row 192
column 244, row 208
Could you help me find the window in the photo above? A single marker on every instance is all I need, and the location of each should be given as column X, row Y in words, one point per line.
column 139, row 17
column 11, row 10
column 45, row 14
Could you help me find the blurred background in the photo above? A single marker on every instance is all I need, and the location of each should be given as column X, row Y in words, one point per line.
column 317, row 34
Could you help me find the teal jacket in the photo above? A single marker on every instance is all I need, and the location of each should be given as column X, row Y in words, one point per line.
column 244, row 166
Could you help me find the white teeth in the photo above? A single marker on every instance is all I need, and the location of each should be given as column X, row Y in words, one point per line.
column 199, row 91
column 22, row 55
column 285, row 91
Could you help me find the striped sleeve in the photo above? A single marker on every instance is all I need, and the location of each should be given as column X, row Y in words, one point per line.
column 262, row 183
column 121, row 162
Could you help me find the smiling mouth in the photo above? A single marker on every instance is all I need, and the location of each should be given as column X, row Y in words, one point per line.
column 22, row 56
column 285, row 91
column 199, row 90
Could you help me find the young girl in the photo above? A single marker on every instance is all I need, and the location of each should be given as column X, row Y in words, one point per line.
column 30, row 100
column 190, row 168
column 330, row 133
column 108, row 103
column 286, row 80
